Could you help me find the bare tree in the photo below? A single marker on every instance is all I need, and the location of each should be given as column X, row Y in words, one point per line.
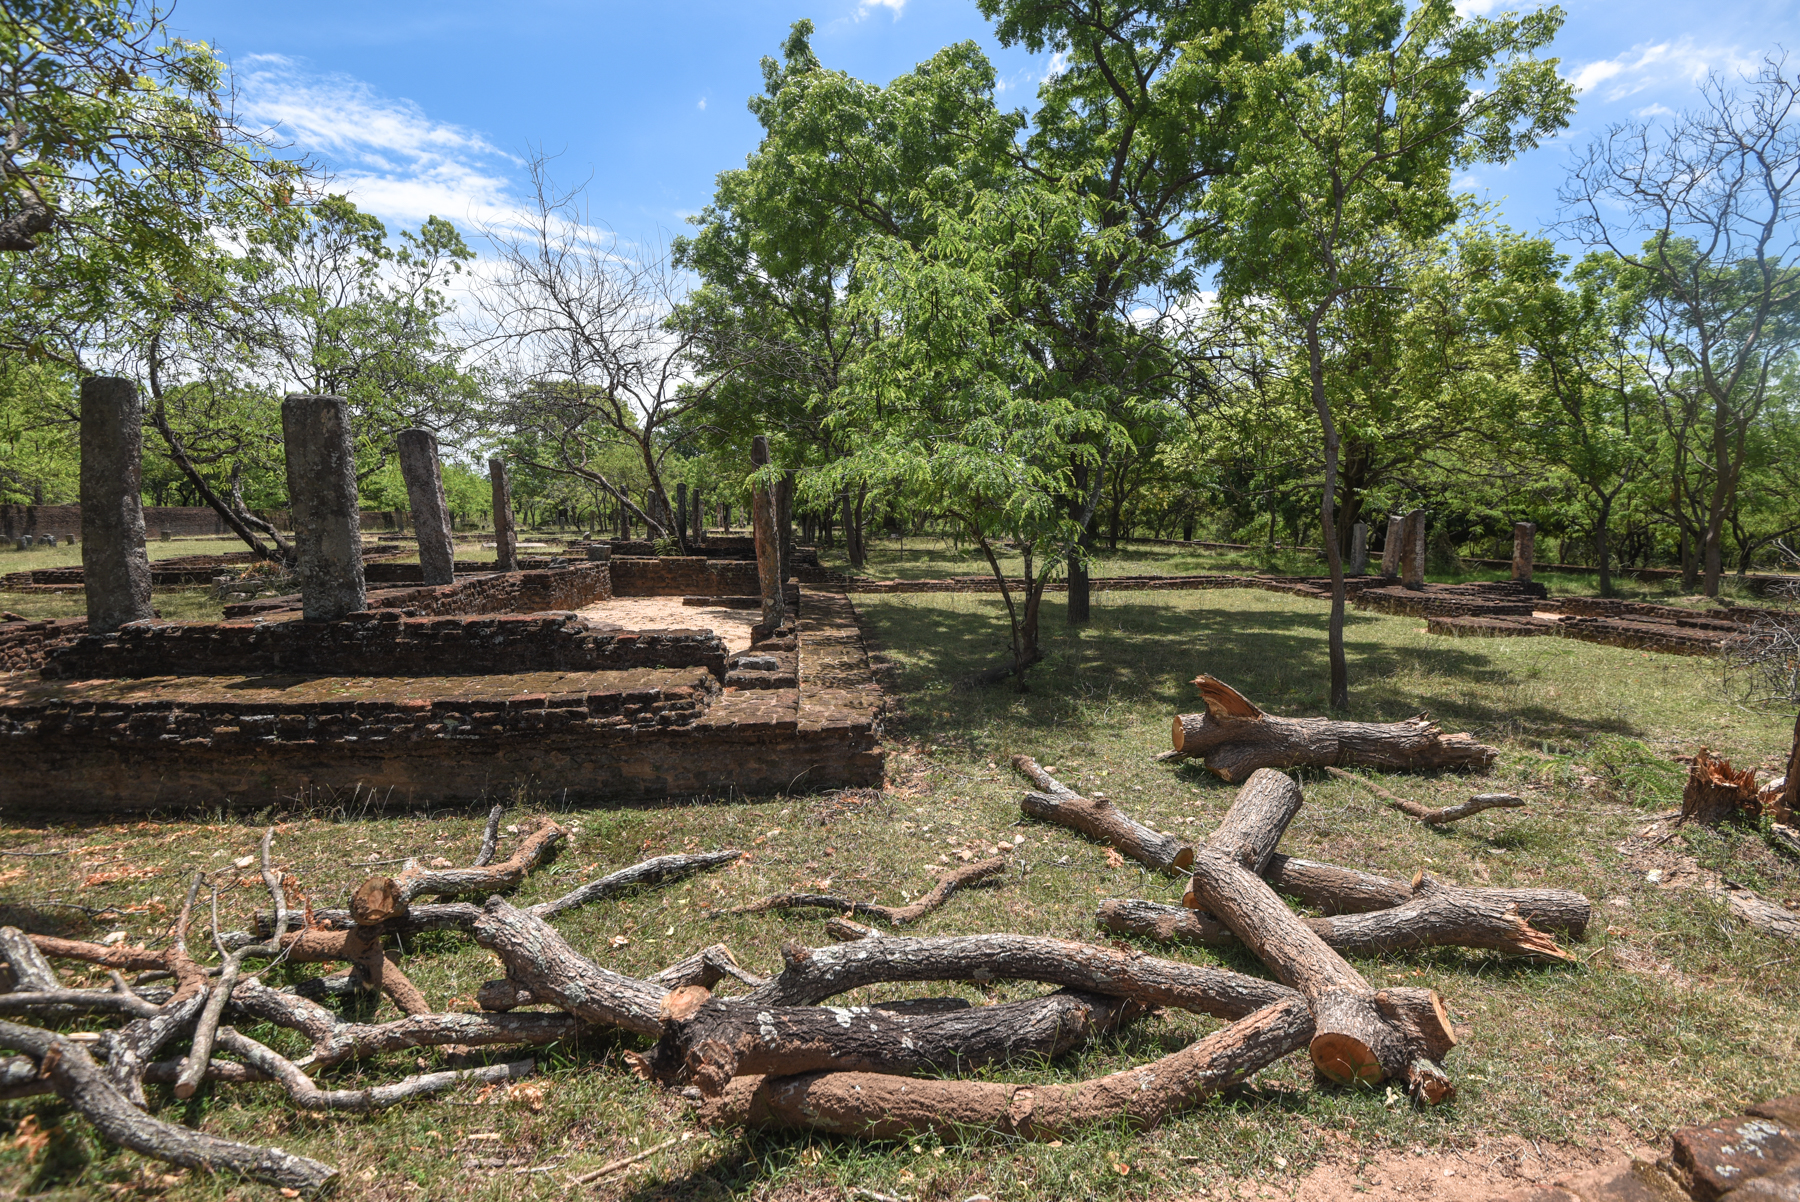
column 1706, row 211
column 579, row 324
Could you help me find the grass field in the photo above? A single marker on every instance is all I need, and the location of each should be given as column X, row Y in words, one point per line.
column 1671, row 1013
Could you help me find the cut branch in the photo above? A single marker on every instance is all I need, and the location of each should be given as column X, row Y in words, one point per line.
column 1098, row 818
column 947, row 884
column 1425, row 814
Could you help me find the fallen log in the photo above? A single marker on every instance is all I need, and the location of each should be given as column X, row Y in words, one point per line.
column 813, row 974
column 1427, row 815
column 1756, row 912
column 80, row 1082
column 306, row 1094
column 882, row 1106
column 1353, row 1041
column 1234, row 738
column 947, row 884
column 414, row 881
column 1338, row 890
column 1258, row 817
column 1098, row 818
column 722, row 1039
column 1437, row 915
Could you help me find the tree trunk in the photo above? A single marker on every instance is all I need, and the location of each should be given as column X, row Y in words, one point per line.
column 1353, row 1041
column 1340, row 671
column 882, row 1106
column 1257, row 819
column 1235, row 738
column 813, row 974
column 723, row 1039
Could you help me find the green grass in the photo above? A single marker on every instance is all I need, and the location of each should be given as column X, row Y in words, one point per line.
column 1671, row 1014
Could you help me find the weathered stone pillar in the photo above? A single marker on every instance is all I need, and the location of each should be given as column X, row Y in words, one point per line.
column 1359, row 549
column 681, row 512
column 1524, row 549
column 1390, row 550
column 699, row 515
column 321, row 480
column 784, row 521
column 1412, row 550
column 115, row 565
column 431, row 515
column 506, row 534
column 768, row 542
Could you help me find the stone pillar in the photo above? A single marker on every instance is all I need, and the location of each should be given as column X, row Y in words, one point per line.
column 115, row 565
column 699, row 516
column 1524, row 548
column 768, row 542
column 431, row 515
column 1359, row 549
column 1390, row 550
column 681, row 512
column 506, row 534
column 784, row 522
column 1412, row 550
column 321, row 480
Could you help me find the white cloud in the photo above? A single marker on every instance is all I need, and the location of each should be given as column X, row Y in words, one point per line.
column 1059, row 62
column 1682, row 62
column 868, row 6
column 1475, row 8
column 387, row 154
column 702, row 104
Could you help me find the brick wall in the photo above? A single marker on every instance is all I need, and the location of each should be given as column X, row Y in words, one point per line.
column 381, row 643
column 686, row 576
column 24, row 645
column 574, row 587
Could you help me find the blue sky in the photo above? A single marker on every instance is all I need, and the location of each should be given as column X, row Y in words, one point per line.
column 429, row 108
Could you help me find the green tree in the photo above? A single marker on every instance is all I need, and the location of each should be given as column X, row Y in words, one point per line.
column 1361, row 108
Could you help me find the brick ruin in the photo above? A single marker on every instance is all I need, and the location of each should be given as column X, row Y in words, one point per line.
column 432, row 694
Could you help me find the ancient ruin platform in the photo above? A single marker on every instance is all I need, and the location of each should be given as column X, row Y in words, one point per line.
column 436, row 711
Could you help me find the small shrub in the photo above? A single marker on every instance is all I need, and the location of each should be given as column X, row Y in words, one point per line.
column 1633, row 773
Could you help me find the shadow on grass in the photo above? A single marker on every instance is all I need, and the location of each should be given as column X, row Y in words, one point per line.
column 1146, row 653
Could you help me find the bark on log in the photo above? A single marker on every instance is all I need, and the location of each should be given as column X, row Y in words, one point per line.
column 542, row 961
column 1338, row 890
column 80, row 1082
column 1438, row 915
column 1234, row 738
column 705, row 968
column 1758, row 913
column 947, row 884
column 883, row 1106
column 1098, row 818
column 725, row 1039
column 1427, row 815
column 1354, row 1042
column 1257, row 819
column 658, row 870
column 813, row 974
column 30, row 971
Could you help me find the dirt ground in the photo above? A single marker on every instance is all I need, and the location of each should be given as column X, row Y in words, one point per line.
column 668, row 613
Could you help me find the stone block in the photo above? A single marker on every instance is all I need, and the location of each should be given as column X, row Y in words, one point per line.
column 1722, row 1155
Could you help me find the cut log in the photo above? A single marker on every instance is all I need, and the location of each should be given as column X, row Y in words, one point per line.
column 725, row 1039
column 1427, row 815
column 1338, row 890
column 1257, row 819
column 1098, row 818
column 1758, row 913
column 883, row 1106
column 31, row 973
column 80, row 1082
column 542, row 962
column 355, row 1041
column 813, row 974
column 1234, row 738
column 1437, row 915
column 1353, row 1041
column 947, row 884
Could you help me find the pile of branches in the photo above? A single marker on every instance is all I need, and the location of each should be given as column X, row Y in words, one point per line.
column 774, row 1055
column 178, row 998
